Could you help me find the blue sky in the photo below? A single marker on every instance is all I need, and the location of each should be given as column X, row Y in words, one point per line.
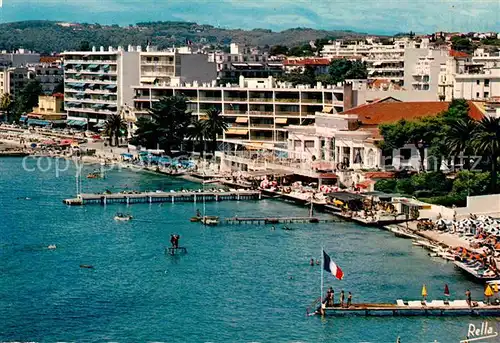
column 382, row 16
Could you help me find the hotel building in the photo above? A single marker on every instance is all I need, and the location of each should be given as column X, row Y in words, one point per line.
column 98, row 83
column 258, row 110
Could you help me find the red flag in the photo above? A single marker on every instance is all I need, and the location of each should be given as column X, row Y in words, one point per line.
column 331, row 267
column 446, row 290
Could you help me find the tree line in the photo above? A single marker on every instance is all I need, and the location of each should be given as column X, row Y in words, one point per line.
column 171, row 124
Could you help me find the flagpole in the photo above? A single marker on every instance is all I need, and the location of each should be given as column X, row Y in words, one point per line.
column 322, row 267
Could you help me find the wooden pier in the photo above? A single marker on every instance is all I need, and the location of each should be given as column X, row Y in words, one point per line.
column 278, row 220
column 162, row 197
column 417, row 308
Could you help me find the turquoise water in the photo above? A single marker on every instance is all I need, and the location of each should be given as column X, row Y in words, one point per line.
column 238, row 283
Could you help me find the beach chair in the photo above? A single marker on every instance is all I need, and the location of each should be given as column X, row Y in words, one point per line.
column 400, row 302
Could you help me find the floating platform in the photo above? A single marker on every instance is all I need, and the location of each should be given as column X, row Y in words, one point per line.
column 161, row 197
column 417, row 308
column 278, row 220
column 175, row 251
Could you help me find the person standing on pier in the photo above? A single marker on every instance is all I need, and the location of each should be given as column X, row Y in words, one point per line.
column 468, row 297
column 172, row 241
column 342, row 298
column 349, row 300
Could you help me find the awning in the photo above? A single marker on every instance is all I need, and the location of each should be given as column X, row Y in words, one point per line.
column 100, row 124
column 148, row 79
column 79, row 123
column 281, row 120
column 23, row 118
column 78, row 66
column 242, row 120
column 255, row 64
column 92, row 66
column 110, row 87
column 327, row 109
column 38, row 122
column 240, row 65
column 328, row 176
column 233, row 131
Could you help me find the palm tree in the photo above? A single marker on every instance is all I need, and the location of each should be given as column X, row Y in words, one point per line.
column 171, row 117
column 458, row 138
column 114, row 128
column 197, row 132
column 6, row 104
column 486, row 141
column 215, row 125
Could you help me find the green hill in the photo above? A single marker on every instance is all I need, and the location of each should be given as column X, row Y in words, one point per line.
column 50, row 36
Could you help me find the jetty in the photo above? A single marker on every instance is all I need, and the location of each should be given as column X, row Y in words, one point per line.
column 161, row 197
column 278, row 220
column 416, row 308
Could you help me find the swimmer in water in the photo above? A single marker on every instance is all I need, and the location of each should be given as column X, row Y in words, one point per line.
column 311, row 263
column 272, row 228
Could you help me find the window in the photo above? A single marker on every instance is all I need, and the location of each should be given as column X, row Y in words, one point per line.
column 405, row 154
column 486, row 82
column 477, row 82
column 486, row 94
column 309, row 144
column 477, row 95
column 229, row 58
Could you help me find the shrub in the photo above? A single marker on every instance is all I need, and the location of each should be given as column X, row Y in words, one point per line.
column 386, row 186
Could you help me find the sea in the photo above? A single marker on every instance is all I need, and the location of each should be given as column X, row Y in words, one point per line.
column 237, row 283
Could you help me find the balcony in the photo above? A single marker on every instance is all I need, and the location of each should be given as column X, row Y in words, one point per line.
column 312, row 101
column 288, row 100
column 262, row 126
column 260, row 113
column 142, row 97
column 287, row 114
column 92, row 101
column 104, row 82
column 90, row 72
column 66, row 62
column 229, row 99
column 236, row 112
column 208, row 99
column 158, row 63
column 260, row 99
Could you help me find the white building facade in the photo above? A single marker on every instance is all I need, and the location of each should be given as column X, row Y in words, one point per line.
column 258, row 109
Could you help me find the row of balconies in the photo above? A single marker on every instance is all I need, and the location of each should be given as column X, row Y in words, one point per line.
column 87, row 61
column 90, row 72
column 97, row 101
column 311, row 102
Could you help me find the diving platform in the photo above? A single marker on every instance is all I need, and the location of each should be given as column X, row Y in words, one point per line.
column 175, row 251
column 161, row 197
column 278, row 220
column 416, row 308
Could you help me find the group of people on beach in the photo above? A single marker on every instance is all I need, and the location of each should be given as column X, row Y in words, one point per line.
column 329, row 300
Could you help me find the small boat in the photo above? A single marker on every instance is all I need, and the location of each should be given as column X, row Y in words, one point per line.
column 86, row 266
column 210, row 220
column 94, row 175
column 123, row 217
column 195, row 219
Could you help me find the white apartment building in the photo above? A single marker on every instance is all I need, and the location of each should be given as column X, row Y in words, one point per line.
column 13, row 79
column 471, row 78
column 98, row 83
column 258, row 109
column 246, row 62
column 340, row 49
column 18, row 58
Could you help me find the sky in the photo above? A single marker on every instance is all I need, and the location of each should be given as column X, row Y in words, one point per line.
column 378, row 17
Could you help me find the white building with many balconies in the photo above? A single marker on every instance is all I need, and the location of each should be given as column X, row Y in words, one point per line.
column 258, row 110
column 98, row 83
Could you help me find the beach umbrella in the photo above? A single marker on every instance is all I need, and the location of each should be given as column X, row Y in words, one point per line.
column 495, row 287
column 488, row 292
column 446, row 290
column 424, row 291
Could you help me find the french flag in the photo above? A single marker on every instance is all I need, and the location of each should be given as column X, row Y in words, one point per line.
column 331, row 267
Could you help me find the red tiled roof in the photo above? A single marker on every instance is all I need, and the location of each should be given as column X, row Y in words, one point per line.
column 390, row 112
column 49, row 59
column 380, row 175
column 58, row 95
column 458, row 54
column 307, row 61
column 383, row 82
